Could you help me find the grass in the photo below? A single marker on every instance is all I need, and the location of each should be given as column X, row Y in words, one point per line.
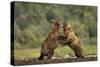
column 90, row 49
column 59, row 52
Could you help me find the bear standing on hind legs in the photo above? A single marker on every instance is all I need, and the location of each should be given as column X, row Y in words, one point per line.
column 51, row 42
column 72, row 40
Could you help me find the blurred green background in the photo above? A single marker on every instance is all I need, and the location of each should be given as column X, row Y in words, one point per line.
column 32, row 24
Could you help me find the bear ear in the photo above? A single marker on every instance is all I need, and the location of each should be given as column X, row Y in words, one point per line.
column 68, row 26
column 65, row 24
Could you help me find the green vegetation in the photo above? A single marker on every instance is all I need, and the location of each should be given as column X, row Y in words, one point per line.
column 59, row 52
column 32, row 24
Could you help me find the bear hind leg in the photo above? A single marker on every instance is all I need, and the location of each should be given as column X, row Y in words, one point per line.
column 50, row 54
column 41, row 56
column 79, row 55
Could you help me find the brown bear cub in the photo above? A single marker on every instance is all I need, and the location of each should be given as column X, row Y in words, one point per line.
column 51, row 42
column 72, row 40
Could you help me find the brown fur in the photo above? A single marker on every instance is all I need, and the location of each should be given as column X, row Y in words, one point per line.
column 72, row 40
column 51, row 42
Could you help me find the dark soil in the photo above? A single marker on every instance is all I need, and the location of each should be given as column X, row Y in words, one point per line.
column 34, row 61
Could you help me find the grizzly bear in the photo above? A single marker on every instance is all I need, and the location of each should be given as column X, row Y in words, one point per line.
column 72, row 40
column 51, row 42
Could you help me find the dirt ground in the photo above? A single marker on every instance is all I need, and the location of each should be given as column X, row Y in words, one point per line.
column 34, row 61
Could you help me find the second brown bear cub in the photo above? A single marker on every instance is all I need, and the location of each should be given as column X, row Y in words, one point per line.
column 72, row 40
column 51, row 42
